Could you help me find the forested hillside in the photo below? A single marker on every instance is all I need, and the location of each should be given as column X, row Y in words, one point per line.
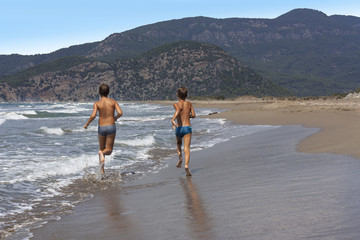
column 205, row 69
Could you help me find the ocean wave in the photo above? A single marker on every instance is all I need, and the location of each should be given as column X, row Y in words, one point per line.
column 220, row 121
column 65, row 169
column 143, row 119
column 142, row 107
column 52, row 131
column 148, row 140
column 206, row 112
column 91, row 128
column 29, row 112
column 209, row 143
column 47, row 168
column 11, row 116
column 66, row 108
column 68, row 111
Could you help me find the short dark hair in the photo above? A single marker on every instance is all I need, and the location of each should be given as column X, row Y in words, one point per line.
column 104, row 90
column 182, row 92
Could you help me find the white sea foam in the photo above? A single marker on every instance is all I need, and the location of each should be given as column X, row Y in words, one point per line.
column 204, row 112
column 64, row 108
column 220, row 121
column 143, row 119
column 140, row 141
column 64, row 111
column 91, row 128
column 11, row 116
column 142, row 155
column 20, row 208
column 143, row 107
column 25, row 106
column 52, row 131
column 47, row 168
column 30, row 112
column 69, row 165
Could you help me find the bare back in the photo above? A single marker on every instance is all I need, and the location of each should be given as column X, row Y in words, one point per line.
column 184, row 111
column 106, row 108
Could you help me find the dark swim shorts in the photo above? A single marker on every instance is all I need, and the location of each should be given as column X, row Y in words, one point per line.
column 106, row 130
column 180, row 132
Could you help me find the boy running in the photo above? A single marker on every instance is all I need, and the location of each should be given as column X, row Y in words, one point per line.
column 183, row 112
column 106, row 128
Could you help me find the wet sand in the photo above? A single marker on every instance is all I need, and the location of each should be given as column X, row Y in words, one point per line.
column 253, row 187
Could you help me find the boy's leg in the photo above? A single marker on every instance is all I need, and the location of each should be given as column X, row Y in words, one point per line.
column 178, row 145
column 102, row 144
column 106, row 144
column 187, row 142
column 109, row 144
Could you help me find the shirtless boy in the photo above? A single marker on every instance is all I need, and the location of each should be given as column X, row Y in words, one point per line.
column 183, row 112
column 106, row 127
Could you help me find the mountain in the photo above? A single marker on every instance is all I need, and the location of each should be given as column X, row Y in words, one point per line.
column 10, row 64
column 205, row 69
column 303, row 50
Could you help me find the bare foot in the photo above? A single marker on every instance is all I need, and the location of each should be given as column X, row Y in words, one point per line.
column 178, row 165
column 102, row 168
column 101, row 157
column 188, row 173
column 102, row 162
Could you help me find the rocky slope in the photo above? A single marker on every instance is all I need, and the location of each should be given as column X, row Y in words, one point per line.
column 205, row 69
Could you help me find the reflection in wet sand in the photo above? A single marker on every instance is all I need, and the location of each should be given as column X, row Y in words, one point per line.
column 199, row 221
column 117, row 219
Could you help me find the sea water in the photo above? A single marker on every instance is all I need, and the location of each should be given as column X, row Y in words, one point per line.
column 49, row 162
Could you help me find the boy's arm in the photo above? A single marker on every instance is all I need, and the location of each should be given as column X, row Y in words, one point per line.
column 176, row 114
column 118, row 110
column 92, row 116
column 192, row 111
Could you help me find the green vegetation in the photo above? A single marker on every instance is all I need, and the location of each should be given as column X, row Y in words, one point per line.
column 205, row 69
column 61, row 64
column 221, row 97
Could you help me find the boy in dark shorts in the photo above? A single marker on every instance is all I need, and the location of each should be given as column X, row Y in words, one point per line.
column 183, row 112
column 106, row 127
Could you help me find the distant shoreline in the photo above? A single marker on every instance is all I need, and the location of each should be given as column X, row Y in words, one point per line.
column 338, row 120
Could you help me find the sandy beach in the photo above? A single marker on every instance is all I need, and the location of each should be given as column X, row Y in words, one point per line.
column 293, row 182
column 337, row 119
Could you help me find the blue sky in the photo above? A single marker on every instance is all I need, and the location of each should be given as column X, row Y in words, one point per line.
column 43, row 26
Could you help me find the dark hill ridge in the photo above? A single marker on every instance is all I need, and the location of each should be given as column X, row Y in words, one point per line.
column 347, row 20
column 205, row 69
column 304, row 16
column 303, row 50
column 10, row 64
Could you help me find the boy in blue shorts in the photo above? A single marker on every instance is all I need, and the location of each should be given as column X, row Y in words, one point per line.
column 182, row 126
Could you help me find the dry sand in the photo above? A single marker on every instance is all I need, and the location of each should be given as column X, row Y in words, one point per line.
column 339, row 120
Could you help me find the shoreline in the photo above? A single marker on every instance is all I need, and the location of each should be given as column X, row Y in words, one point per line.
column 337, row 120
column 261, row 189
